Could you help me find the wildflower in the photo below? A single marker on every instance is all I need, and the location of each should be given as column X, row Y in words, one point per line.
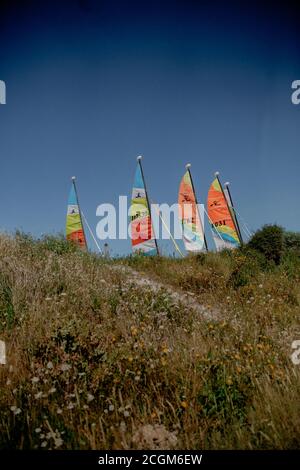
column 48, row 299
column 8, row 382
column 35, row 380
column 229, row 381
column 137, row 378
column 90, row 397
column 64, row 367
column 52, row 390
column 63, row 294
column 38, row 395
column 134, row 331
column 38, row 430
column 130, row 359
column 59, row 411
column 50, row 365
column 184, row 404
column 111, row 407
column 70, row 406
column 15, row 410
column 93, row 425
column 163, row 362
column 85, row 407
column 58, row 442
column 126, row 413
column 44, row 444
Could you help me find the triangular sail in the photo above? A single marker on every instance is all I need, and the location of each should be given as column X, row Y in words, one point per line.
column 142, row 234
column 192, row 228
column 74, row 226
column 225, row 233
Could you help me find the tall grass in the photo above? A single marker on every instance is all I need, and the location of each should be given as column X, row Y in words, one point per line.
column 97, row 362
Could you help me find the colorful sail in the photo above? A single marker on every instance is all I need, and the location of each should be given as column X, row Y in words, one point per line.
column 142, row 235
column 192, row 228
column 74, row 226
column 225, row 233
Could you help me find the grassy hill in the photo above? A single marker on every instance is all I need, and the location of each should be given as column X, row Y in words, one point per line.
column 97, row 360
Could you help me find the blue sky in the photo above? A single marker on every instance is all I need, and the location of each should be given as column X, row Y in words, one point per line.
column 92, row 84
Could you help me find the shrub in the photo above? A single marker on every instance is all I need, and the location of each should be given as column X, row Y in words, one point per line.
column 292, row 242
column 269, row 241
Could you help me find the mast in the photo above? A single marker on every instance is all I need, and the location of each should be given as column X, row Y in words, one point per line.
column 79, row 210
column 139, row 158
column 188, row 166
column 233, row 218
column 234, row 214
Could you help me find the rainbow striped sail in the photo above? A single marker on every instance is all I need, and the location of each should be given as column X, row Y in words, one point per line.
column 142, row 235
column 225, row 233
column 192, row 229
column 74, row 226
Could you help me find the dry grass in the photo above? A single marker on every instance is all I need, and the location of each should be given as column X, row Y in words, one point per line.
column 97, row 362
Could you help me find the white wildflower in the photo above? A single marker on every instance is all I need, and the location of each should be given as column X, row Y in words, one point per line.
column 50, row 365
column 64, row 367
column 38, row 395
column 58, row 442
column 90, row 397
column 35, row 380
column 111, row 407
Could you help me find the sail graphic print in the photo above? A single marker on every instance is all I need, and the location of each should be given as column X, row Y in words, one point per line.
column 74, row 226
column 225, row 234
column 192, row 228
column 142, row 235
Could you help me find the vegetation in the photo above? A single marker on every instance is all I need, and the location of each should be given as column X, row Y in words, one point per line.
column 96, row 361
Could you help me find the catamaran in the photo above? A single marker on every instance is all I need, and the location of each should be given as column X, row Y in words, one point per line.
column 74, row 225
column 143, row 239
column 192, row 228
column 225, row 228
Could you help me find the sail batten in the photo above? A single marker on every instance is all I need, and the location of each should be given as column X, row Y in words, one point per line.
column 221, row 215
column 74, row 225
column 142, row 235
column 192, row 228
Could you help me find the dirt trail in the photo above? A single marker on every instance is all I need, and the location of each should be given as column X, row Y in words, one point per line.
column 187, row 299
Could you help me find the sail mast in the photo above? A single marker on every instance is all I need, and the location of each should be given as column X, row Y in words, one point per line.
column 233, row 213
column 79, row 210
column 139, row 160
column 233, row 218
column 188, row 166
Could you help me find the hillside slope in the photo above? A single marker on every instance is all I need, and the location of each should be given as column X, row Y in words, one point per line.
column 146, row 353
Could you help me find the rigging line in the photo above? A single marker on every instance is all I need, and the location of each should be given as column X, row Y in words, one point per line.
column 90, row 230
column 243, row 222
column 166, row 227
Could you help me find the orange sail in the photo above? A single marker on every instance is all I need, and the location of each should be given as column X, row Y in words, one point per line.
column 225, row 232
column 74, row 226
column 192, row 229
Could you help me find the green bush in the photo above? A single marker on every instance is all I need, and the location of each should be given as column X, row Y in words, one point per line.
column 292, row 242
column 269, row 241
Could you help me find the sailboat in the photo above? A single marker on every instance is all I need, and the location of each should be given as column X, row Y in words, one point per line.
column 192, row 229
column 74, row 225
column 224, row 223
column 142, row 235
